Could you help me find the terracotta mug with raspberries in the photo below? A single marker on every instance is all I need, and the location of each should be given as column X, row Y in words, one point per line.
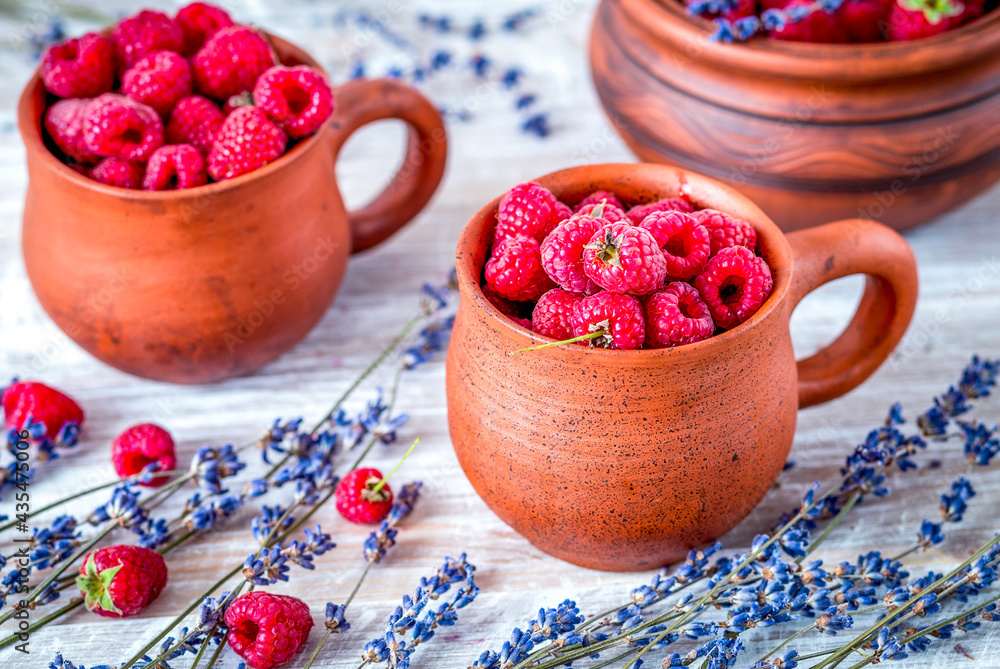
column 183, row 220
column 651, row 398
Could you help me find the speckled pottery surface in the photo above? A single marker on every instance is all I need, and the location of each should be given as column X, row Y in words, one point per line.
column 625, row 460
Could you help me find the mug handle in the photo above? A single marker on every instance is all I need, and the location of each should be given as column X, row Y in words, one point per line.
column 835, row 250
column 363, row 101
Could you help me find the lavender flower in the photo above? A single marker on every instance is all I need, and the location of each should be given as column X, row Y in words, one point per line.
column 384, row 538
column 336, row 621
column 124, row 508
column 61, row 663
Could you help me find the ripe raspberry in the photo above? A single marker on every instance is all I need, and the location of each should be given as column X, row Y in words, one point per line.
column 64, row 123
column 677, row 315
column 145, row 33
column 118, row 172
column 297, row 99
column 597, row 197
column 175, row 167
column 79, row 68
column 622, row 258
column 726, row 231
column 266, row 629
column 530, row 210
column 119, row 127
column 356, row 500
column 617, row 317
column 29, row 399
column 515, row 270
column 230, row 62
column 562, row 253
column 120, row 581
column 141, row 445
column 609, row 213
column 640, row 211
column 734, row 285
column 195, row 120
column 818, row 25
column 246, row 141
column 685, row 242
column 865, row 20
column 158, row 80
column 917, row 19
column 553, row 315
column 198, row 22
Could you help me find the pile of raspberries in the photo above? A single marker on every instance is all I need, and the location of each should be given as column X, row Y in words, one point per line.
column 170, row 103
column 653, row 275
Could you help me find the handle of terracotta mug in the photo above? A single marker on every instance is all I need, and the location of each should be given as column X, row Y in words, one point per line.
column 835, row 250
column 363, row 101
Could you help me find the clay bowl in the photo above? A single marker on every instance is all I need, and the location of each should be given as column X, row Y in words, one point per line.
column 199, row 285
column 625, row 460
column 896, row 132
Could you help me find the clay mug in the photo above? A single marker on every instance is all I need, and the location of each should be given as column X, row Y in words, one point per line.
column 198, row 285
column 625, row 460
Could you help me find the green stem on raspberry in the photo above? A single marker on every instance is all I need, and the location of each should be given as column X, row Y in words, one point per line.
column 385, row 479
column 592, row 335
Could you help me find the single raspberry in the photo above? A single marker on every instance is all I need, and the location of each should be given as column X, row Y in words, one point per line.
column 64, row 123
column 195, row 120
column 865, row 20
column 553, row 314
column 246, row 141
column 357, row 500
column 685, row 242
column 118, row 172
column 677, row 315
column 515, row 270
column 529, row 210
column 622, row 258
column 199, row 21
column 175, row 167
column 597, row 197
column 297, row 99
column 734, row 285
column 145, row 33
column 158, row 80
column 24, row 400
column 640, row 211
column 609, row 213
column 266, row 629
column 119, row 127
column 726, row 231
column 230, row 62
column 83, row 67
column 119, row 581
column 917, row 19
column 141, row 445
column 817, row 25
column 562, row 253
column 618, row 319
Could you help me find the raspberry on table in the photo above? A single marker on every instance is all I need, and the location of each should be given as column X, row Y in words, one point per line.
column 247, row 140
column 734, row 285
column 175, row 167
column 120, row 581
column 199, row 21
column 725, row 231
column 618, row 318
column 142, row 445
column 622, row 258
column 553, row 314
column 119, row 127
column 640, row 211
column 195, row 120
column 356, row 499
column 22, row 400
column 230, row 62
column 83, row 67
column 159, row 80
column 677, row 315
column 146, row 32
column 596, row 198
column 118, row 172
column 515, row 270
column 562, row 253
column 266, row 629
column 298, row 99
column 685, row 242
column 530, row 210
column 64, row 123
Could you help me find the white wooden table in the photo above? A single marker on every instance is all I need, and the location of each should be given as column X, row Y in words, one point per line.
column 958, row 314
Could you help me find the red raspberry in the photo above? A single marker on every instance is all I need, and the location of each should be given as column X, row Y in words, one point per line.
column 356, row 500
column 64, row 122
column 246, row 141
column 118, row 172
column 865, row 20
column 515, row 270
column 734, row 285
column 119, row 127
column 195, row 120
column 677, row 315
column 622, row 258
column 198, row 22
column 917, row 19
column 640, row 211
column 175, row 167
column 523, row 322
column 597, row 197
column 298, row 99
column 266, row 629
column 120, row 581
column 230, row 62
column 818, row 25
column 145, row 33
column 553, row 315
column 609, row 213
column 726, row 231
column 141, row 445
column 617, row 317
column 158, row 80
column 530, row 210
column 685, row 242
column 562, row 253
column 80, row 68
column 29, row 399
